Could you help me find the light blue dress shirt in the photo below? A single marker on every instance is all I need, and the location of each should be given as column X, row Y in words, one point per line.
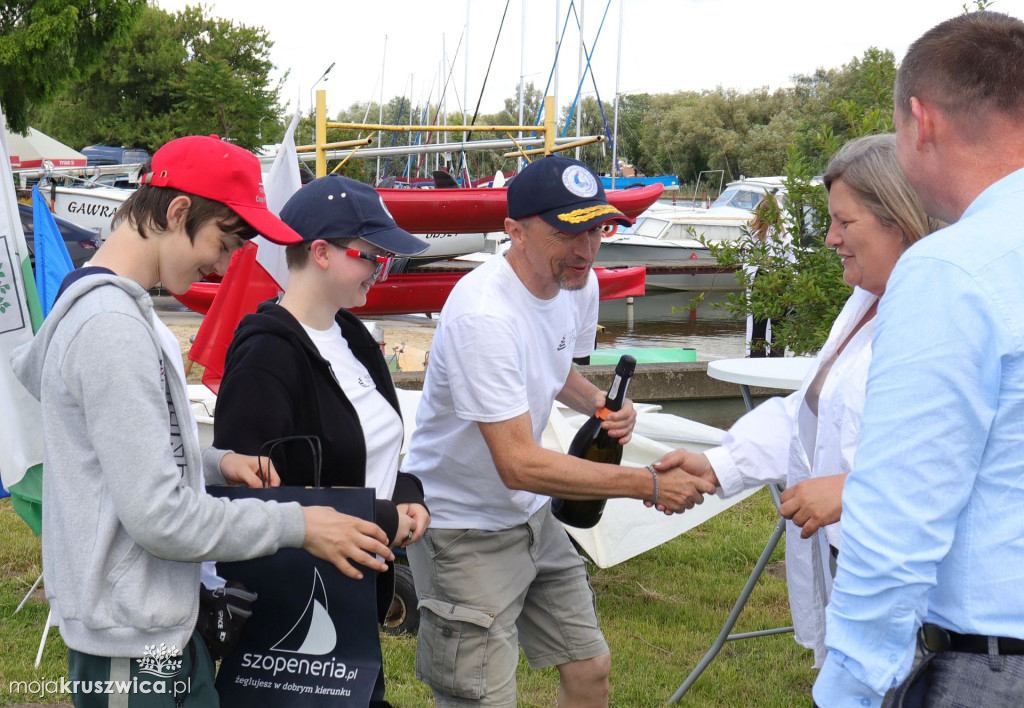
column 933, row 513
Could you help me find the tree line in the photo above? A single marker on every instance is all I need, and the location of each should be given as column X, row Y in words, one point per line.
column 122, row 72
column 687, row 132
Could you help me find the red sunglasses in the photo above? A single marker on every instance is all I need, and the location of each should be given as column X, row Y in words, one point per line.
column 383, row 263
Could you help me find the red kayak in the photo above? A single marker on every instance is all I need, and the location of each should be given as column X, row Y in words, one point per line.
column 466, row 211
column 416, row 293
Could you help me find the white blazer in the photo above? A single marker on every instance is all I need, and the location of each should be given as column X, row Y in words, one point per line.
column 765, row 446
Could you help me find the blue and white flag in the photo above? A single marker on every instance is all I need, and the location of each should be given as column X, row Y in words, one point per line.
column 52, row 259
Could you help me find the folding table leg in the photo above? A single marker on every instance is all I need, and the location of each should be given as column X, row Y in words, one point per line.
column 42, row 642
column 29, row 593
column 724, row 636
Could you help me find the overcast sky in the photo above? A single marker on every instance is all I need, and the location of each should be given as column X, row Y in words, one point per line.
column 666, row 45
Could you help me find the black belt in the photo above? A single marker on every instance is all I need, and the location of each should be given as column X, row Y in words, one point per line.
column 937, row 639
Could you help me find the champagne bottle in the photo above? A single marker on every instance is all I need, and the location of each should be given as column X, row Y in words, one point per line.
column 592, row 442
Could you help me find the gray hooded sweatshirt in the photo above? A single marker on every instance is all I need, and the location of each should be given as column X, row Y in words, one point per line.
column 125, row 519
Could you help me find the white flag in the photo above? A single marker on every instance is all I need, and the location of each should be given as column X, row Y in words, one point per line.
column 282, row 182
column 21, row 424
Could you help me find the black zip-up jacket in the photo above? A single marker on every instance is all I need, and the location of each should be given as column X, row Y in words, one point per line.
column 276, row 385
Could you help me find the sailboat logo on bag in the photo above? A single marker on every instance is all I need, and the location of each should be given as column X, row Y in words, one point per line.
column 313, row 632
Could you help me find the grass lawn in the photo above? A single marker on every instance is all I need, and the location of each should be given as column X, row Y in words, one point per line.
column 660, row 612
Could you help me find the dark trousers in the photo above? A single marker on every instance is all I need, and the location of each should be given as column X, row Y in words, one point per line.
column 760, row 345
column 954, row 679
column 147, row 685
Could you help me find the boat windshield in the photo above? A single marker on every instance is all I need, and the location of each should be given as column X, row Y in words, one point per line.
column 651, row 227
column 738, row 198
column 679, row 232
column 632, row 228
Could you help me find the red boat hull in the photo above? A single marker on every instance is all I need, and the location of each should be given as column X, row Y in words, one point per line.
column 419, row 293
column 466, row 211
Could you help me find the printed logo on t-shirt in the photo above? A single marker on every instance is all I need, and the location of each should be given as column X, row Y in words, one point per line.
column 561, row 345
column 366, row 382
column 177, row 443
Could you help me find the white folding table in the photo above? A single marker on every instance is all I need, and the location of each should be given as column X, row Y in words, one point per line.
column 786, row 373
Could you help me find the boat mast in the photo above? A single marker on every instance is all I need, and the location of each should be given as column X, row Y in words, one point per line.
column 618, row 72
column 558, row 42
column 440, row 94
column 444, row 96
column 408, row 160
column 579, row 73
column 380, row 135
column 522, row 76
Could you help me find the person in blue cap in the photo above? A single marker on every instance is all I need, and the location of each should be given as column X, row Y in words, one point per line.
column 496, row 570
column 303, row 365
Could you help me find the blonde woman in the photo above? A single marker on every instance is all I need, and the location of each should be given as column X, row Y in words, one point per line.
column 809, row 438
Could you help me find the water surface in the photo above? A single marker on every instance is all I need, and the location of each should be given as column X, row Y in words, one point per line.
column 664, row 319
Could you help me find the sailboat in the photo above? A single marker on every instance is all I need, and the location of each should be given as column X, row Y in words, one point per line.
column 314, row 631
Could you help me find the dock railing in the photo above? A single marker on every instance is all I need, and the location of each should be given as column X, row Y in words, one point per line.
column 547, row 131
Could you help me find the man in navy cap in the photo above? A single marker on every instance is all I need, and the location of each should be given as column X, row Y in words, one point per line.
column 496, row 570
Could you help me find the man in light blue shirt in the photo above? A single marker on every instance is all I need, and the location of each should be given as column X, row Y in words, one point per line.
column 933, row 513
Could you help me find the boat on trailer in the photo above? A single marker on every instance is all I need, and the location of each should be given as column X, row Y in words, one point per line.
column 484, row 209
column 92, row 208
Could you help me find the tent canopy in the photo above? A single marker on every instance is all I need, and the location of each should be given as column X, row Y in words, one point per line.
column 32, row 149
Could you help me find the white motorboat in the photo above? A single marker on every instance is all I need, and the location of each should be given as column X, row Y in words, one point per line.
column 724, row 220
column 92, row 208
column 675, row 233
column 656, row 240
column 649, row 239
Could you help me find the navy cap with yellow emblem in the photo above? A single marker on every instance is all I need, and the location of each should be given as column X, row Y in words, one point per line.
column 563, row 192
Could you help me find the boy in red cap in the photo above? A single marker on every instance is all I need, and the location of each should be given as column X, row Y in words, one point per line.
column 126, row 521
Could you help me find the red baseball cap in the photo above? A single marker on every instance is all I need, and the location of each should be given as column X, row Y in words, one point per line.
column 209, row 167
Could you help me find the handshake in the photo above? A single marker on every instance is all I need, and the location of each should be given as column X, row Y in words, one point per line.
column 681, row 479
column 810, row 504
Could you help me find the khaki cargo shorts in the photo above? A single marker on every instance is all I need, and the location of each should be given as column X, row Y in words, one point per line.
column 483, row 593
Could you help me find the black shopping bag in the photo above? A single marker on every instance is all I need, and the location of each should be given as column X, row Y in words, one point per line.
column 312, row 639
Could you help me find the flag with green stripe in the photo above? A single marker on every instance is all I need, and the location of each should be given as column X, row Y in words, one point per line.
column 21, row 425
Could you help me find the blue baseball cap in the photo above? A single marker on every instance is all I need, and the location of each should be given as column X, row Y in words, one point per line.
column 565, row 193
column 334, row 207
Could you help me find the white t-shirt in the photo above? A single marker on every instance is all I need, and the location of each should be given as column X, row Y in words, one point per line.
column 498, row 352
column 382, row 426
